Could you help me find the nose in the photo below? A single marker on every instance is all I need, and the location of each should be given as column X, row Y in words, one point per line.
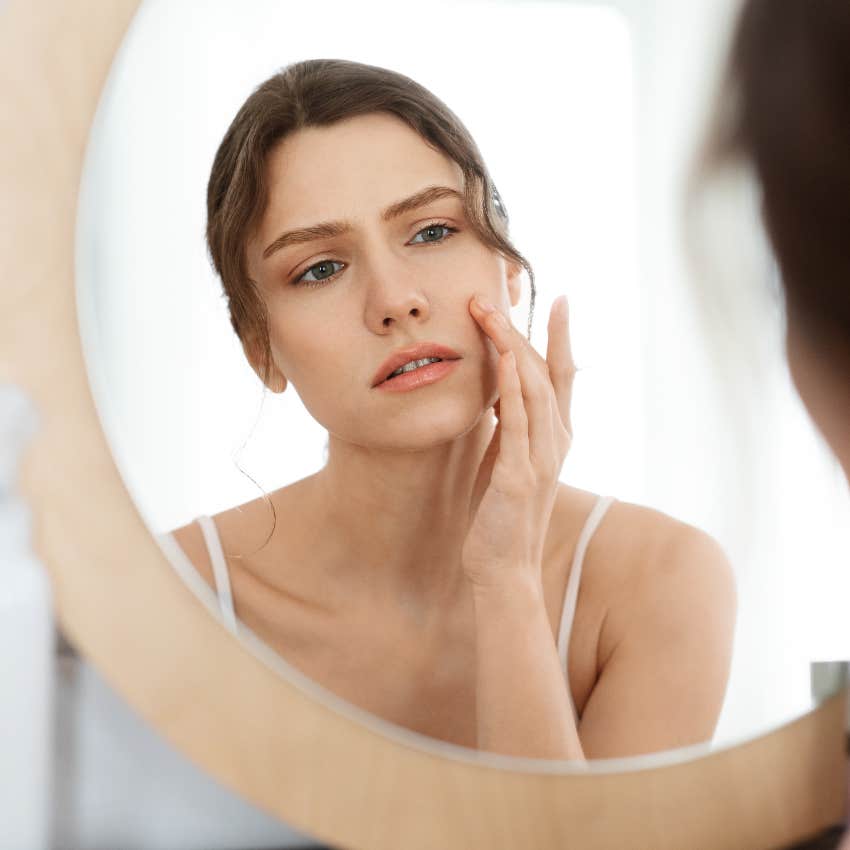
column 404, row 312
column 395, row 302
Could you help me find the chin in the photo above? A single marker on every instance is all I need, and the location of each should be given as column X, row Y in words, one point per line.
column 425, row 429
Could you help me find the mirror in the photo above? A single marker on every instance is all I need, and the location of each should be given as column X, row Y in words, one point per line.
column 331, row 560
column 186, row 675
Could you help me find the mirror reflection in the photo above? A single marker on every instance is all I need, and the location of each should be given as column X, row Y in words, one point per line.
column 279, row 261
column 424, row 571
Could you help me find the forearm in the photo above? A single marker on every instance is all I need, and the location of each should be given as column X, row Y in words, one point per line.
column 522, row 702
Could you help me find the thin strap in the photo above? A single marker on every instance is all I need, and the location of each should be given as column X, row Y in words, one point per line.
column 219, row 565
column 571, row 595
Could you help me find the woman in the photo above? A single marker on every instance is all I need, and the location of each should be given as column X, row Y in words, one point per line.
column 429, row 573
column 785, row 109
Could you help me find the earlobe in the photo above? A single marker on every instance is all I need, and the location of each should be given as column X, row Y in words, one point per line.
column 276, row 380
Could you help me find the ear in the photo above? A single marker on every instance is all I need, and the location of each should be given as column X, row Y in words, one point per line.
column 514, row 279
column 253, row 353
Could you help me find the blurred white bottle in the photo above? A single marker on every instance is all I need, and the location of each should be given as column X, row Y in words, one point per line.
column 27, row 641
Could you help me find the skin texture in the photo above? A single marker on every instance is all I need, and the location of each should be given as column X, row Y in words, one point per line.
column 390, row 577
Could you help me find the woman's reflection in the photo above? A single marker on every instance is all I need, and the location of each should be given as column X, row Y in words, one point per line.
column 435, row 572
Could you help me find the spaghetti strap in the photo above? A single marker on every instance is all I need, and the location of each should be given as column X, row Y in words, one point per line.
column 571, row 595
column 219, row 565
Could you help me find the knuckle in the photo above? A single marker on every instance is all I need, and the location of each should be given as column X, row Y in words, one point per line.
column 514, row 489
column 523, row 479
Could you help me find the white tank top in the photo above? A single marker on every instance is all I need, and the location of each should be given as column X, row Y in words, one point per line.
column 225, row 597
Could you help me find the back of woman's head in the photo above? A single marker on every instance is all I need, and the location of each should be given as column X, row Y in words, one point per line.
column 786, row 108
column 316, row 93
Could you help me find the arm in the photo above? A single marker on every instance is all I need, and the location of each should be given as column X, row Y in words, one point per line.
column 522, row 702
column 666, row 648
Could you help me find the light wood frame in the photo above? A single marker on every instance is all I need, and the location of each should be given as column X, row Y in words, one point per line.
column 266, row 735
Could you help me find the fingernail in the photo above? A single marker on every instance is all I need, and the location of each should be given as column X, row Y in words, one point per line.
column 484, row 304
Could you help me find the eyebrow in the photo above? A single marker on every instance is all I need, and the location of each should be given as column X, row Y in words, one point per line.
column 329, row 229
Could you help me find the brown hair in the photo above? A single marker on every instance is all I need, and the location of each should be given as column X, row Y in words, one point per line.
column 785, row 107
column 316, row 93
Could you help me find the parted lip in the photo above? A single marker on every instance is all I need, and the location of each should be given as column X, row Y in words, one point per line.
column 412, row 352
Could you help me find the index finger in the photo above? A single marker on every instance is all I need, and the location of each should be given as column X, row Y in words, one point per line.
column 503, row 334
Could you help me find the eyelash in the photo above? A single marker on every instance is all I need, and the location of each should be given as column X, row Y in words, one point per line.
column 450, row 231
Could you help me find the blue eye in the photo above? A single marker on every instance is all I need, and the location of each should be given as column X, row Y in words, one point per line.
column 324, row 271
column 431, row 229
column 321, row 271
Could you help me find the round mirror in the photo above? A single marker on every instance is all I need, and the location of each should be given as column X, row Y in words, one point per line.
column 311, row 504
column 609, row 630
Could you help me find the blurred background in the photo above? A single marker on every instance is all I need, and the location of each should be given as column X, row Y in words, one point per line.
column 587, row 115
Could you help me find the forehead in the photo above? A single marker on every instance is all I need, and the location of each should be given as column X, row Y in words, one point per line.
column 353, row 168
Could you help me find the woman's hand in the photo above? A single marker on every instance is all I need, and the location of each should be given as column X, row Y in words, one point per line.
column 514, row 494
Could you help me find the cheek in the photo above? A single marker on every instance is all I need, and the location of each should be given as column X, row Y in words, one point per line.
column 306, row 353
column 473, row 271
column 482, row 270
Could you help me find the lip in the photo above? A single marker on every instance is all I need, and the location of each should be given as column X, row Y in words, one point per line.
column 412, row 352
column 418, row 378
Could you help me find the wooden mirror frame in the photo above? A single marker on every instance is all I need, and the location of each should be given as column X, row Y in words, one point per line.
column 269, row 737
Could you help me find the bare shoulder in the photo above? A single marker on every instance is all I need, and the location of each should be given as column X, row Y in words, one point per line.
column 639, row 555
column 662, row 602
column 241, row 529
column 668, row 549
column 660, row 571
column 656, row 541
column 639, row 537
column 236, row 528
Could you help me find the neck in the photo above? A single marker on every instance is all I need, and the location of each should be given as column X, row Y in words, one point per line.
column 396, row 520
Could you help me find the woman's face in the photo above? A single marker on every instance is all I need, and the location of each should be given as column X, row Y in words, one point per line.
column 341, row 300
